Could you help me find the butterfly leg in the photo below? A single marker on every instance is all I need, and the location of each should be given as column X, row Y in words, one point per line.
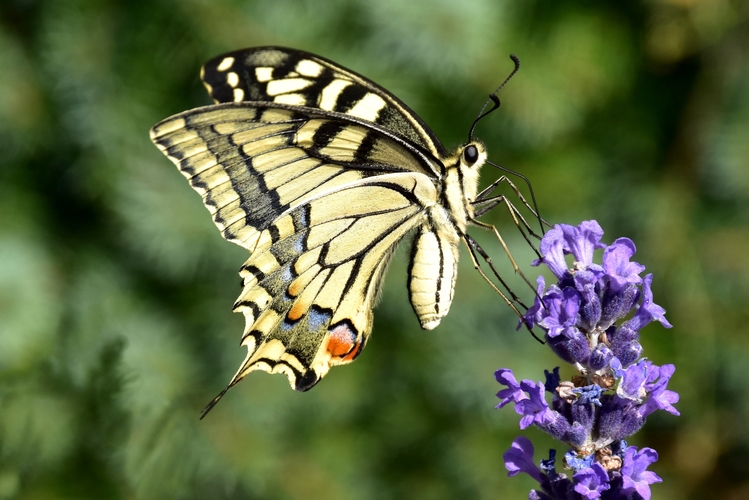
column 501, row 240
column 483, row 194
column 480, row 208
column 484, row 197
column 483, row 206
column 474, row 247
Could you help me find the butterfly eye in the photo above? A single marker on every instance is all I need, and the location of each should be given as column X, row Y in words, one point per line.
column 471, row 154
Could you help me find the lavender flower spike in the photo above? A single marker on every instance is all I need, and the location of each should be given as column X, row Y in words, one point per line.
column 591, row 318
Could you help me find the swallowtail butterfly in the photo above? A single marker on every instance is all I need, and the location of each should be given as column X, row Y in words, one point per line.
column 319, row 173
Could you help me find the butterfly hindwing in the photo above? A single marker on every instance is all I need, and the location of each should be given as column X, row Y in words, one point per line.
column 308, row 298
column 298, row 78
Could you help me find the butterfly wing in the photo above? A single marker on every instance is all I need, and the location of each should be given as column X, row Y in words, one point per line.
column 253, row 161
column 308, row 298
column 320, row 199
column 295, row 77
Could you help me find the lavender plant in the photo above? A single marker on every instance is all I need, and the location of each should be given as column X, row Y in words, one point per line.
column 584, row 317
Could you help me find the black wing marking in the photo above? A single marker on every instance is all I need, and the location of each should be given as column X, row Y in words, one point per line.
column 295, row 77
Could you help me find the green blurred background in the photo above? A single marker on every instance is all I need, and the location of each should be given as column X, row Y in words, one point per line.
column 116, row 289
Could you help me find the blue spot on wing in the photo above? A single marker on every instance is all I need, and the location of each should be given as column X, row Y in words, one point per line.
column 287, row 276
column 299, row 244
column 317, row 319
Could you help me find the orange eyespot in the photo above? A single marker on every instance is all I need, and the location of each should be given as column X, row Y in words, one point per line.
column 343, row 343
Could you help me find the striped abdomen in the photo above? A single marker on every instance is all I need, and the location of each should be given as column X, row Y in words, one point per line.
column 431, row 278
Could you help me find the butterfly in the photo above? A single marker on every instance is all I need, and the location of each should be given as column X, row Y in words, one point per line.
column 319, row 173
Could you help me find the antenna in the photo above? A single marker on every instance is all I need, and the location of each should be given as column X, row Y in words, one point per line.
column 493, row 97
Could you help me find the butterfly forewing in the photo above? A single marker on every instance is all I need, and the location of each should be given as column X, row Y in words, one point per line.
column 253, row 161
column 294, row 77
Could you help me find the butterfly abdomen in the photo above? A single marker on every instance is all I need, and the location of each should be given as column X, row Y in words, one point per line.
column 431, row 277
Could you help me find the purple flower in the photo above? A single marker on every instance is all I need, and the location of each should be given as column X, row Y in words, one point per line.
column 552, row 380
column 615, row 305
column 635, row 475
column 600, row 357
column 519, row 458
column 590, row 483
column 573, row 347
column 590, row 298
column 590, row 312
column 616, row 263
column 633, row 378
column 529, row 404
column 533, row 315
column 618, row 419
column 589, row 394
column 528, row 397
column 513, row 393
column 563, row 239
column 552, row 249
column 554, row 486
column 560, row 313
column 577, row 463
column 648, row 311
column 582, row 240
column 625, row 345
column 660, row 398
column 534, row 408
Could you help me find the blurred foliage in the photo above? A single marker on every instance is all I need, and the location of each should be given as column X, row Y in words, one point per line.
column 116, row 289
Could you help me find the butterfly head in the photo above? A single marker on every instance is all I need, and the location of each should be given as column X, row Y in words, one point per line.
column 460, row 182
column 470, row 159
